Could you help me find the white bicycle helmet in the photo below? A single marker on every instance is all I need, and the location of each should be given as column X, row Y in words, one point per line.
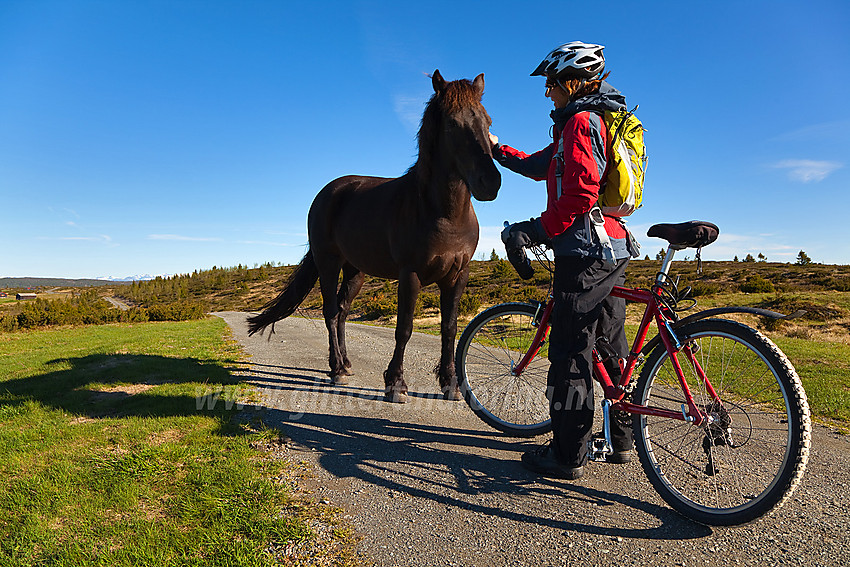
column 574, row 59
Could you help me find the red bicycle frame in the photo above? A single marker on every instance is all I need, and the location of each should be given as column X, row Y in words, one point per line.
column 616, row 392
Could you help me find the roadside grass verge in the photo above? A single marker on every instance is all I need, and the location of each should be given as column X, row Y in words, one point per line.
column 118, row 446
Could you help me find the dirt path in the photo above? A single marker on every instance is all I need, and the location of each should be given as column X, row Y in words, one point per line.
column 427, row 483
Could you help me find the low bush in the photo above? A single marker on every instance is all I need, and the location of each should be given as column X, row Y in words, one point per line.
column 88, row 308
column 502, row 269
column 469, row 304
column 757, row 284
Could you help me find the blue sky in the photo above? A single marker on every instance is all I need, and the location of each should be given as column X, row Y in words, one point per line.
column 161, row 137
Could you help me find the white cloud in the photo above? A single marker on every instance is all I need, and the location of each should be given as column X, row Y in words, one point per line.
column 101, row 238
column 409, row 110
column 807, row 170
column 181, row 238
column 836, row 130
column 268, row 243
column 729, row 245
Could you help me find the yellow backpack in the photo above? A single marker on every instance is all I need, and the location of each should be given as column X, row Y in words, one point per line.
column 622, row 190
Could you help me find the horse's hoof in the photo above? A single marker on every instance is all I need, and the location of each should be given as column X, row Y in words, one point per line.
column 339, row 380
column 452, row 395
column 395, row 397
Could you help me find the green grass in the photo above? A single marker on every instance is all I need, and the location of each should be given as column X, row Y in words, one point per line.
column 824, row 369
column 106, row 458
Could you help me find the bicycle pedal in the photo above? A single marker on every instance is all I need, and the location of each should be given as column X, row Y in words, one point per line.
column 598, row 449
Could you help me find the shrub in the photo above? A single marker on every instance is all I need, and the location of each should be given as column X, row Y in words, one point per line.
column 704, row 288
column 8, row 322
column 502, row 269
column 379, row 305
column 757, row 284
column 429, row 300
column 179, row 311
column 531, row 293
column 469, row 304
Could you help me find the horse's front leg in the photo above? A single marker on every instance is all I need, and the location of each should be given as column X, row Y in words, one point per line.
column 395, row 388
column 450, row 294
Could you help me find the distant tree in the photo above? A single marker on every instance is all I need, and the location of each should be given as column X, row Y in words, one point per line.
column 749, row 258
column 735, row 259
column 762, row 257
column 803, row 259
column 660, row 255
column 646, row 257
column 493, row 255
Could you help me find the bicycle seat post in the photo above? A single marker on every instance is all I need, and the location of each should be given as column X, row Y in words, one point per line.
column 668, row 260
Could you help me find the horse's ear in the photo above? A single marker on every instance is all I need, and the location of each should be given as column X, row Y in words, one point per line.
column 478, row 83
column 438, row 81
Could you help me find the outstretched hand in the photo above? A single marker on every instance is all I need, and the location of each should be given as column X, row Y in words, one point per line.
column 494, row 139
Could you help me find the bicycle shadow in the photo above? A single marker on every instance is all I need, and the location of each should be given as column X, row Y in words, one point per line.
column 414, row 459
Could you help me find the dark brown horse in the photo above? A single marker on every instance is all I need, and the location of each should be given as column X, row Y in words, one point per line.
column 419, row 228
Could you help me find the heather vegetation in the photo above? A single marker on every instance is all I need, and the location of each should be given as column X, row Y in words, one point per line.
column 809, row 286
column 89, row 308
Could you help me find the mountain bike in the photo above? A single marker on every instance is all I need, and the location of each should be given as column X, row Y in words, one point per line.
column 720, row 418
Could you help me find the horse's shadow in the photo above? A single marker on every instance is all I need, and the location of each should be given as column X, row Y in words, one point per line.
column 433, row 462
column 101, row 386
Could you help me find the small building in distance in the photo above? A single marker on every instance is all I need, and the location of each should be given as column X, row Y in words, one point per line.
column 25, row 296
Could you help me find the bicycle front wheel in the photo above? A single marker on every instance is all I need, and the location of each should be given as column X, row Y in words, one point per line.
column 487, row 354
column 749, row 456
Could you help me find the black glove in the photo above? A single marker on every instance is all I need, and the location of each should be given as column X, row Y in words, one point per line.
column 521, row 263
column 518, row 236
column 524, row 234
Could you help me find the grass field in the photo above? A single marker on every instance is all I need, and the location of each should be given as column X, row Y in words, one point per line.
column 110, row 453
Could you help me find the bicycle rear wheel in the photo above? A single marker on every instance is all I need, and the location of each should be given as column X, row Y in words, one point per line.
column 487, row 352
column 751, row 457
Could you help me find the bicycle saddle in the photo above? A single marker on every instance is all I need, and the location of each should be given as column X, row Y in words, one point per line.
column 691, row 234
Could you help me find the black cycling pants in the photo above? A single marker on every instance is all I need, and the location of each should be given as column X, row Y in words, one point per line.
column 583, row 312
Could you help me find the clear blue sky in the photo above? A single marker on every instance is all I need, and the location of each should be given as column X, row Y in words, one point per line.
column 153, row 137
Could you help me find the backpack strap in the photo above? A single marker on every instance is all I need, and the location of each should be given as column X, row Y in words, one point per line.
column 600, row 151
column 594, row 223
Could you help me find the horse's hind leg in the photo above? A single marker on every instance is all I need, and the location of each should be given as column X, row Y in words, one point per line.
column 450, row 293
column 395, row 388
column 328, row 278
column 352, row 281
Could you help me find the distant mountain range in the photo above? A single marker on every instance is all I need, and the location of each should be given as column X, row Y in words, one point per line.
column 136, row 278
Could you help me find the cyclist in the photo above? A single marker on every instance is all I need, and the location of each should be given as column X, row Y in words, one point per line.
column 583, row 278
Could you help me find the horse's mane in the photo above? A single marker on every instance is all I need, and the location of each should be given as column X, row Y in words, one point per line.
column 456, row 96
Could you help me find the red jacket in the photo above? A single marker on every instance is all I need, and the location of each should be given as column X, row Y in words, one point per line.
column 585, row 166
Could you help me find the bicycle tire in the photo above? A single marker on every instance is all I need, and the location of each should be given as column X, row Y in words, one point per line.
column 493, row 342
column 701, row 472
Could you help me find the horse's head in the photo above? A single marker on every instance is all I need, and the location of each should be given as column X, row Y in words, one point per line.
column 461, row 134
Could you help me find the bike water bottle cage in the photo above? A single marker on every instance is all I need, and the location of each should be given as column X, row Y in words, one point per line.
column 691, row 234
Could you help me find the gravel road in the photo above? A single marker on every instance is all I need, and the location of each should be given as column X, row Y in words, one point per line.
column 428, row 483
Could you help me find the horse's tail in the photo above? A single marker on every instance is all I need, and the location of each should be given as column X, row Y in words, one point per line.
column 297, row 288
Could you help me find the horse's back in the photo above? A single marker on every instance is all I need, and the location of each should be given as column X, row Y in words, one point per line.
column 352, row 216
